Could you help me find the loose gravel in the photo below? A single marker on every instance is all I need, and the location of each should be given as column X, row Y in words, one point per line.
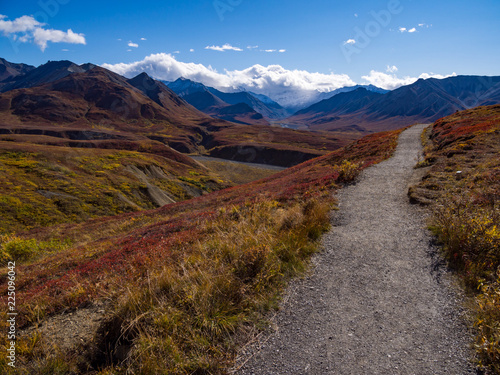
column 379, row 299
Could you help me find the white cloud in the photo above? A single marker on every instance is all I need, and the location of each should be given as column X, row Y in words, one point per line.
column 177, row 52
column 65, row 50
column 225, row 47
column 391, row 69
column 119, row 39
column 273, row 50
column 131, row 44
column 356, row 15
column 143, row 39
column 287, row 87
column 23, row 38
column 129, row 50
column 26, row 28
column 191, row 50
column 42, row 36
column 19, row 25
column 391, row 81
column 349, row 41
column 411, row 30
column 252, row 47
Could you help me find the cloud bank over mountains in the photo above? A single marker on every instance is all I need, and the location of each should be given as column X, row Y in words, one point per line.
column 288, row 87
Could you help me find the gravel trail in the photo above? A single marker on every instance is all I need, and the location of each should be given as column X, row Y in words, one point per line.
column 378, row 300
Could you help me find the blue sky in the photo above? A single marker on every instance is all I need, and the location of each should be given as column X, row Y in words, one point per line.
column 414, row 37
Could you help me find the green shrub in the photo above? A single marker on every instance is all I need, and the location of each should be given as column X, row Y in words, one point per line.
column 20, row 249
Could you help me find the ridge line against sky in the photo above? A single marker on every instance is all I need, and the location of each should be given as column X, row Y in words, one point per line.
column 261, row 45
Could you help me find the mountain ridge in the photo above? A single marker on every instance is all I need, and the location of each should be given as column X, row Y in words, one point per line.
column 422, row 101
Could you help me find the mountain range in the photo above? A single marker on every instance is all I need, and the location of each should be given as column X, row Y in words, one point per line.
column 357, row 108
column 87, row 104
column 423, row 101
column 65, row 104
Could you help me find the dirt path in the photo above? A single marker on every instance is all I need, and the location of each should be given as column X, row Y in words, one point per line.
column 378, row 301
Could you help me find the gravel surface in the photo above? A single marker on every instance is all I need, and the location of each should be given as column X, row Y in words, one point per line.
column 379, row 300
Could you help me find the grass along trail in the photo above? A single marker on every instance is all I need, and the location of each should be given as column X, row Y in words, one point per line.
column 378, row 301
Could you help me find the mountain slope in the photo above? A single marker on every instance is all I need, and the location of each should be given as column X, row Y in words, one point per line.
column 331, row 94
column 9, row 71
column 99, row 108
column 210, row 104
column 241, row 113
column 270, row 110
column 205, row 101
column 343, row 103
column 158, row 92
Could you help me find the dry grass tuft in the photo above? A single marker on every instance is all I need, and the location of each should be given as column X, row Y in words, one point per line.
column 182, row 320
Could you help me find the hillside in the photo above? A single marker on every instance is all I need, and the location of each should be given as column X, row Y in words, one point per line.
column 99, row 105
column 462, row 185
column 47, row 185
column 332, row 109
column 241, row 113
column 183, row 278
column 327, row 95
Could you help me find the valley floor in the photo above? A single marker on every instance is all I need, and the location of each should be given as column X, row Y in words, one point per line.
column 379, row 300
